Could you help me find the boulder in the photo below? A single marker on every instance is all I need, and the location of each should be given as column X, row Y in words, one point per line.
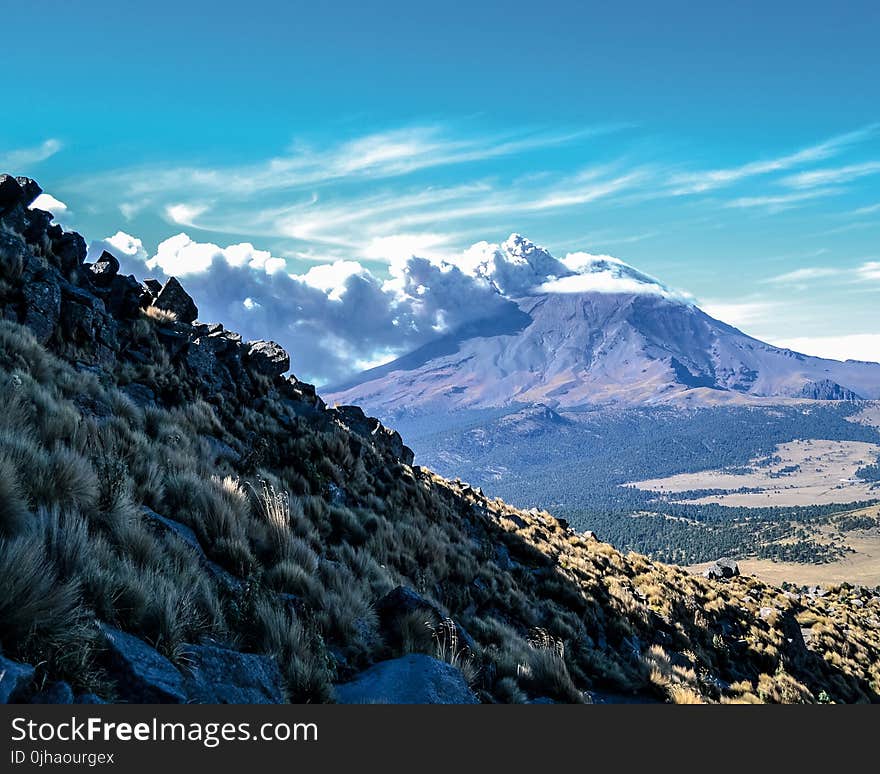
column 56, row 693
column 153, row 286
column 174, row 299
column 15, row 680
column 144, row 675
column 222, row 676
column 70, row 250
column 402, row 601
column 30, row 189
column 412, row 679
column 10, row 192
column 722, row 568
column 267, row 358
column 104, row 270
column 201, row 360
column 164, row 525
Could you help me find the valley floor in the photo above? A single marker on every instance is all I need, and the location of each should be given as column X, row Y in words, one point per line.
column 862, row 567
column 806, row 472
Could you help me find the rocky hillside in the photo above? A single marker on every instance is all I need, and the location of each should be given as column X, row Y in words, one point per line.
column 180, row 521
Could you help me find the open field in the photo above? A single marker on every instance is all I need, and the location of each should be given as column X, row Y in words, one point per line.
column 869, row 415
column 861, row 567
column 809, row 472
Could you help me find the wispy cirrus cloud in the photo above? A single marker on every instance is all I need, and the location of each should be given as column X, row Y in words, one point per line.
column 432, row 189
column 20, row 159
column 708, row 180
column 774, row 203
column 832, row 176
column 806, row 274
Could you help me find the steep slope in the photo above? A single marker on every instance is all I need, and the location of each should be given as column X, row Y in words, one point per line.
column 181, row 522
column 606, row 335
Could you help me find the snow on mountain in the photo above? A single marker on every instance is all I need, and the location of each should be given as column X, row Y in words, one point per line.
column 592, row 330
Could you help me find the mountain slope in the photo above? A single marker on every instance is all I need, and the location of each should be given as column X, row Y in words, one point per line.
column 170, row 499
column 574, row 340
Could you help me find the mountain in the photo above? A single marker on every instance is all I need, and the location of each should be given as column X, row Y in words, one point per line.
column 592, row 330
column 181, row 522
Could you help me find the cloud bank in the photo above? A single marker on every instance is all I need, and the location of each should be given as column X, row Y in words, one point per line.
column 339, row 318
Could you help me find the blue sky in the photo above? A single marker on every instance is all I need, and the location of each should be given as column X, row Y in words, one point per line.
column 733, row 152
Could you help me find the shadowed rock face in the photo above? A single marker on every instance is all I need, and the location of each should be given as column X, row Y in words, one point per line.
column 571, row 349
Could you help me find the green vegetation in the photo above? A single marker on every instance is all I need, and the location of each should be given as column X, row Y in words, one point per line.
column 576, row 469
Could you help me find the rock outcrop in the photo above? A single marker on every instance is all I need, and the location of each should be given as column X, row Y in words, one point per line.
column 721, row 569
column 92, row 314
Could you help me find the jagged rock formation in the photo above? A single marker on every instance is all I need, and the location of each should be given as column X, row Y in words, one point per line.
column 182, row 522
column 825, row 389
column 94, row 315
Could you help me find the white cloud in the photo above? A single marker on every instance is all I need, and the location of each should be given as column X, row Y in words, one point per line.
column 804, row 275
column 129, row 251
column 869, row 271
column 184, row 214
column 832, row 176
column 338, row 314
column 780, row 202
column 20, row 159
column 181, row 256
column 858, row 346
column 607, row 274
column 49, row 203
column 700, row 182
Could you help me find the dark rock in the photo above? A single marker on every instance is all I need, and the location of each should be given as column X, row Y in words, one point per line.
column 722, row 568
column 30, row 189
column 36, row 229
column 174, row 299
column 10, row 192
column 153, row 285
column 142, row 395
column 412, row 679
column 15, row 680
column 202, row 361
column 78, row 312
column 166, row 526
column 12, row 254
column 43, row 308
column 267, row 358
column 221, row 676
column 124, row 299
column 70, row 250
column 173, row 338
column 354, row 419
column 825, row 389
column 57, row 693
column 402, row 601
column 144, row 675
column 104, row 270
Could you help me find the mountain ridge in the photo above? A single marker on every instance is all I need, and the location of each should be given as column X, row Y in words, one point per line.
column 572, row 349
